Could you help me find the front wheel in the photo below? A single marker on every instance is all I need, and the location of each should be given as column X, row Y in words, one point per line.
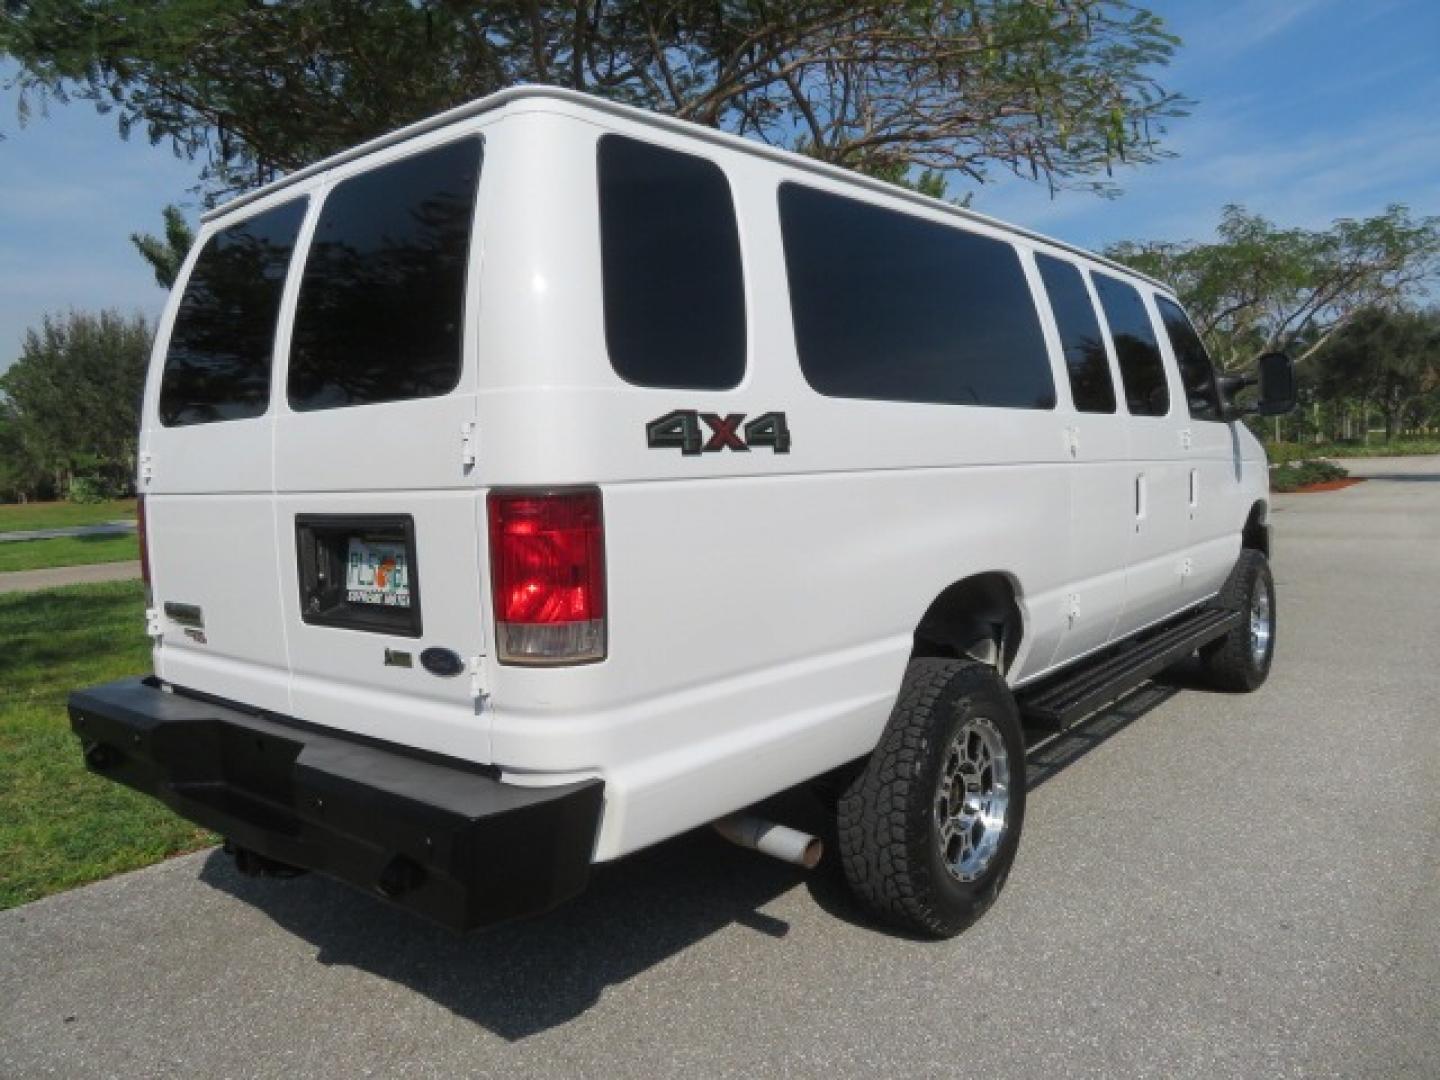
column 930, row 828
column 1240, row 661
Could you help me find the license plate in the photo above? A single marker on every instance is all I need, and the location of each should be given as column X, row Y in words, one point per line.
column 376, row 573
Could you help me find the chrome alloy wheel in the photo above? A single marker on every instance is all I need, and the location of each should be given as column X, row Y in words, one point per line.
column 1262, row 623
column 973, row 799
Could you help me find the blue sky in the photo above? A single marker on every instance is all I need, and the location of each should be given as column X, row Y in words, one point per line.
column 1306, row 111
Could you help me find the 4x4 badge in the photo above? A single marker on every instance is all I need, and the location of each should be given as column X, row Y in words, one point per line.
column 682, row 430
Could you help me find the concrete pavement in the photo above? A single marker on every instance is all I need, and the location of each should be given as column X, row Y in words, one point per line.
column 1209, row 886
column 106, row 528
column 55, row 576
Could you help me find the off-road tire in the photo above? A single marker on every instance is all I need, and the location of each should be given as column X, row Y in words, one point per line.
column 1231, row 662
column 889, row 834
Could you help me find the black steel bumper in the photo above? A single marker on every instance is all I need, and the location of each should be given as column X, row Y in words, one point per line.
column 445, row 839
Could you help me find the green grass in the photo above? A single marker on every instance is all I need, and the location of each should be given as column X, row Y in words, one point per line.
column 59, row 825
column 1301, row 474
column 1284, row 453
column 67, row 551
column 16, row 517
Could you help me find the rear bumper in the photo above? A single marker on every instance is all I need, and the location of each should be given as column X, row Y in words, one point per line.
column 445, row 839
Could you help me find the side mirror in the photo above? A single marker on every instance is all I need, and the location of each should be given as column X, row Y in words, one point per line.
column 1277, row 385
column 1276, row 380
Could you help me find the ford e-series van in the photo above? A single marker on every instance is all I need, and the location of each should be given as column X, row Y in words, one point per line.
column 550, row 478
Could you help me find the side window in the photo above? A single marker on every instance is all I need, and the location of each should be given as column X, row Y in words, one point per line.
column 670, row 252
column 1136, row 347
column 1080, row 337
column 381, row 309
column 892, row 307
column 217, row 365
column 1196, row 372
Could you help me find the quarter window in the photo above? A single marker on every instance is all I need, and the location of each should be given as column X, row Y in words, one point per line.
column 1196, row 372
column 381, row 309
column 670, row 252
column 1136, row 347
column 892, row 307
column 222, row 345
column 1080, row 337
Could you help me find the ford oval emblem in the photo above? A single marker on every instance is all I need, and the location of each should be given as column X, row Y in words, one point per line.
column 443, row 662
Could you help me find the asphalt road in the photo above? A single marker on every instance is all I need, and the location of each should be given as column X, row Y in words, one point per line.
column 1209, row 885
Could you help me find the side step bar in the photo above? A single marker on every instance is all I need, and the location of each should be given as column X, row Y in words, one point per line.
column 1073, row 695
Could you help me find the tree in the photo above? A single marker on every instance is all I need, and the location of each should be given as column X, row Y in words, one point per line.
column 168, row 255
column 1388, row 360
column 1259, row 287
column 1058, row 91
column 74, row 396
column 22, row 478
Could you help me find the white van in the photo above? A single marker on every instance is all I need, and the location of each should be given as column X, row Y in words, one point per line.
column 549, row 478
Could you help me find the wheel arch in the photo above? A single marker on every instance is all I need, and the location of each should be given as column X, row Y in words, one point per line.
column 1256, row 534
column 978, row 617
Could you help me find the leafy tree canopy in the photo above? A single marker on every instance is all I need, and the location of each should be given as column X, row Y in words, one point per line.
column 1057, row 90
column 166, row 255
column 1260, row 287
column 72, row 401
column 1388, row 359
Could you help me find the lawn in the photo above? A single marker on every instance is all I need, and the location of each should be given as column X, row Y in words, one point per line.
column 1282, row 453
column 16, row 517
column 59, row 825
column 67, row 551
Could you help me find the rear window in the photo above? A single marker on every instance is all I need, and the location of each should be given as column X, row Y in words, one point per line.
column 1196, row 371
column 670, row 252
column 382, row 300
column 1136, row 347
column 891, row 307
column 222, row 346
column 1080, row 337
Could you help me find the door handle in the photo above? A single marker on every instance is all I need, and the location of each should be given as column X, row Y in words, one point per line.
column 1141, row 499
column 1194, row 488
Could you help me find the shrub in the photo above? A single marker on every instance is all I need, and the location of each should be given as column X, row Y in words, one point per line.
column 1291, row 477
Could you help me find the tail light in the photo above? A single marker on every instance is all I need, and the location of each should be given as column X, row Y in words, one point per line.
column 547, row 566
column 143, row 535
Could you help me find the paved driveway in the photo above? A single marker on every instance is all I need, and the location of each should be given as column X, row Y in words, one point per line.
column 1210, row 885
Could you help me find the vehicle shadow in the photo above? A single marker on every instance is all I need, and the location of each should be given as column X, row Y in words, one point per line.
column 527, row 977
column 523, row 978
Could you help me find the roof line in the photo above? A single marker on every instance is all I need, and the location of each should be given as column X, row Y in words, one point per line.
column 501, row 98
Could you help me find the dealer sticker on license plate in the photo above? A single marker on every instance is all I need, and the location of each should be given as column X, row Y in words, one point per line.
column 376, row 573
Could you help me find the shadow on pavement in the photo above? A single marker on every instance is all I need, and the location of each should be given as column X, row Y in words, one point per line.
column 524, row 978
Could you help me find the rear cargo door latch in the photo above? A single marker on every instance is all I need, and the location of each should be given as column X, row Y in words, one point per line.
column 467, row 444
column 154, row 627
column 477, row 689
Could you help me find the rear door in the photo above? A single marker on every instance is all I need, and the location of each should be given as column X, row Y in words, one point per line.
column 206, row 463
column 1213, row 466
column 376, row 520
column 1101, row 523
column 1156, row 566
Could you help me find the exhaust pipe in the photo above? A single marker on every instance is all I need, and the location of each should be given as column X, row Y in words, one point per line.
column 768, row 838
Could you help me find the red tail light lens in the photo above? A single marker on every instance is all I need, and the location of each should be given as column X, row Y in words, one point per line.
column 142, row 534
column 547, row 566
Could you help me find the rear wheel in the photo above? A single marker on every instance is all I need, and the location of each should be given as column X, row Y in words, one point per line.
column 1240, row 661
column 929, row 829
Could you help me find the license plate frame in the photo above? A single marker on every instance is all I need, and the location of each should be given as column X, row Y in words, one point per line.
column 324, row 545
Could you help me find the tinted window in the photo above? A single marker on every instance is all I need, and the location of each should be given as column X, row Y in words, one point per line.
column 381, row 309
column 892, row 307
column 1141, row 369
column 217, row 366
column 1080, row 337
column 1196, row 371
column 674, row 294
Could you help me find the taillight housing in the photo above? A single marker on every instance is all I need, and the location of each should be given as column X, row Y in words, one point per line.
column 143, row 535
column 547, row 569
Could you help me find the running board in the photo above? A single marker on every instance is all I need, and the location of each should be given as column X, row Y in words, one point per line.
column 1075, row 694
